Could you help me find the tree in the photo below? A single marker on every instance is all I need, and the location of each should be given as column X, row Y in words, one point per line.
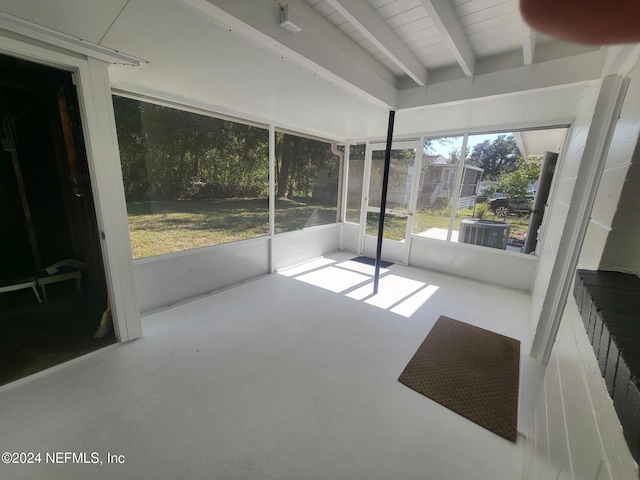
column 434, row 145
column 171, row 154
column 496, row 157
column 515, row 184
column 132, row 145
column 299, row 164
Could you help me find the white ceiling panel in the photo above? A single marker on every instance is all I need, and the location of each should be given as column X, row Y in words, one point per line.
column 380, row 3
column 538, row 142
column 496, row 41
column 435, row 56
column 492, row 24
column 485, row 8
column 423, row 43
column 396, row 7
column 87, row 19
column 414, row 27
column 405, row 17
column 417, row 30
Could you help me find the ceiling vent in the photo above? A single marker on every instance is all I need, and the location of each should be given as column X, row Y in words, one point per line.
column 287, row 21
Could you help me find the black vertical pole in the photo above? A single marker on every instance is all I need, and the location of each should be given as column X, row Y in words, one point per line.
column 383, row 200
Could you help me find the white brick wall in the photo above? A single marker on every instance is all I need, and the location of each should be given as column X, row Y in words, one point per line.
column 562, row 190
column 577, row 433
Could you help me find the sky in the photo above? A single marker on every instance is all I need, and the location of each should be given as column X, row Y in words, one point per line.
column 471, row 142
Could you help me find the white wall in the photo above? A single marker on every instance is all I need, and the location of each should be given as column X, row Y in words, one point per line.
column 168, row 279
column 577, row 434
column 614, row 218
column 349, row 237
column 562, row 190
column 489, row 265
column 176, row 277
column 296, row 247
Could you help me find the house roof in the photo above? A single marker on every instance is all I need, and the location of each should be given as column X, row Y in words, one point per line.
column 443, row 65
column 440, row 161
column 434, row 159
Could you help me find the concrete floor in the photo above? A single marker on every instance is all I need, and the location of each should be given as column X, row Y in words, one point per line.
column 290, row 376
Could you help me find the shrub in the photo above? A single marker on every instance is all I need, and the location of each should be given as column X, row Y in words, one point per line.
column 481, row 210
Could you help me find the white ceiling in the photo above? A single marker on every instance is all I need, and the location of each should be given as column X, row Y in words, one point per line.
column 444, row 65
column 538, row 142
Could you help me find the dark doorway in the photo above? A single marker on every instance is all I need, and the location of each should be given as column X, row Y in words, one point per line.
column 49, row 239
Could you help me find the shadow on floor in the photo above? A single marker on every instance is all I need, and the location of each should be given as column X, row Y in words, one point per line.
column 34, row 337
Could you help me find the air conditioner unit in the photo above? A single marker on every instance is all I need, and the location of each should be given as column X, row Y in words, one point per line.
column 487, row 233
column 287, row 21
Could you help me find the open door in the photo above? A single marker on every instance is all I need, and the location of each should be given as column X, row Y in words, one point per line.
column 400, row 200
column 49, row 238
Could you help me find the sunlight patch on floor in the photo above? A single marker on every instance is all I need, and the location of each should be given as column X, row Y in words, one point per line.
column 397, row 294
column 333, row 279
column 413, row 302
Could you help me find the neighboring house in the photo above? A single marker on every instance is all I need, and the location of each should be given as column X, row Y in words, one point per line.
column 438, row 178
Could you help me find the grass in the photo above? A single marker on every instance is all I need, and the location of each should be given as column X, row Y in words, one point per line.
column 158, row 227
column 424, row 219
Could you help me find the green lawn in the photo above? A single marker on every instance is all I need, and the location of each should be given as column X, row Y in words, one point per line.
column 395, row 227
column 158, row 227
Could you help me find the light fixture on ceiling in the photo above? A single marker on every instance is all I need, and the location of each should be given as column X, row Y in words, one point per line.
column 287, row 21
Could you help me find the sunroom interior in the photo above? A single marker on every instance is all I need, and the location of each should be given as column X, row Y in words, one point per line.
column 231, row 155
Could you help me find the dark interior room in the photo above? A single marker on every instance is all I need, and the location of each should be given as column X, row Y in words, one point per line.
column 52, row 283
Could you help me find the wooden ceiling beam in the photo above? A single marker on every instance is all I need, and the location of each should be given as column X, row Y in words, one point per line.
column 360, row 14
column 444, row 18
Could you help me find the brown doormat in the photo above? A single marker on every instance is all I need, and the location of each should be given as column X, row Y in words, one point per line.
column 469, row 370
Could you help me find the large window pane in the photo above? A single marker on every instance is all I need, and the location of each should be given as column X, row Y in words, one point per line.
column 436, row 187
column 495, row 187
column 497, row 204
column 395, row 226
column 306, row 183
column 190, row 180
column 400, row 176
column 401, row 170
column 354, row 182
